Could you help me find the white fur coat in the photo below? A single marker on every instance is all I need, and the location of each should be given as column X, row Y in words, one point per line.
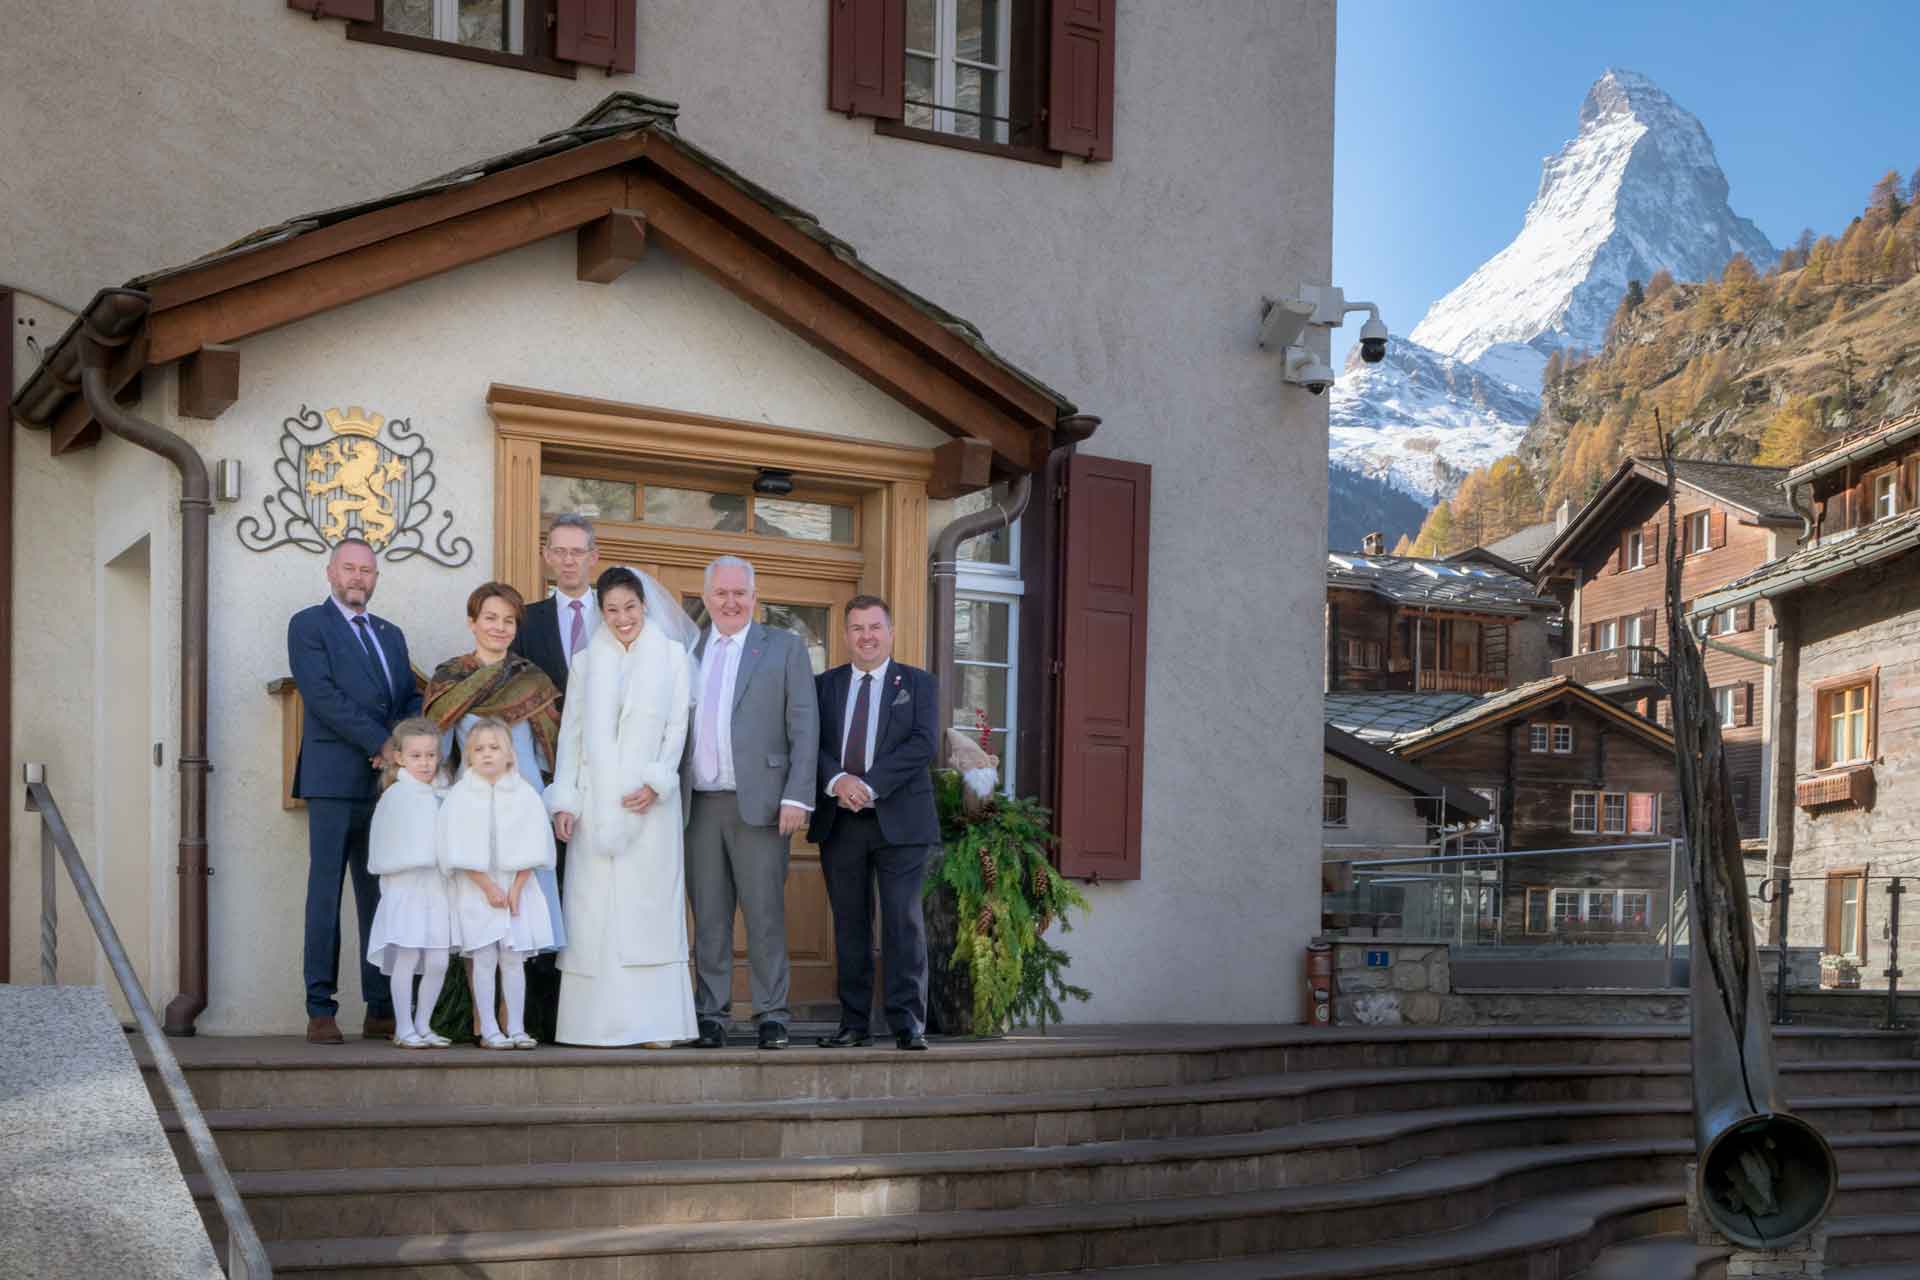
column 401, row 837
column 624, row 727
column 493, row 826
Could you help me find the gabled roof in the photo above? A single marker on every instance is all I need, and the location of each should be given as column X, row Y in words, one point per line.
column 1751, row 489
column 1418, row 582
column 1854, row 446
column 1830, row 558
column 1510, row 704
column 1381, row 717
column 624, row 155
column 1521, row 548
column 1461, row 805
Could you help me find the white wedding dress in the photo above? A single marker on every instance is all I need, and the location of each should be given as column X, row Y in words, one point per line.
column 624, row 971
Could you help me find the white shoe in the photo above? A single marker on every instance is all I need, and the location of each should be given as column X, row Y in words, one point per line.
column 435, row 1041
column 525, row 1041
column 496, row 1042
column 658, row 1044
column 412, row 1040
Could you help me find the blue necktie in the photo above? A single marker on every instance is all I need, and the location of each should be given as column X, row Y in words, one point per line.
column 366, row 642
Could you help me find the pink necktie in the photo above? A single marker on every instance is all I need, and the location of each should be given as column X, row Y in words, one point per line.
column 577, row 633
column 709, row 761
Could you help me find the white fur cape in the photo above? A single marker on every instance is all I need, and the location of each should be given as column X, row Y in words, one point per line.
column 493, row 826
column 401, row 837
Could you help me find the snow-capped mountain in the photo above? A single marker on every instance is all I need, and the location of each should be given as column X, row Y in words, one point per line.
column 1636, row 190
column 1420, row 420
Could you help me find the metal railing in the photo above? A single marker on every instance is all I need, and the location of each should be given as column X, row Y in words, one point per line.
column 246, row 1258
column 1841, row 912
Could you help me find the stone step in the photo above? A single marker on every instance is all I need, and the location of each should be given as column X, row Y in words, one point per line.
column 1891, row 1271
column 263, row 1071
column 610, row 1129
column 1665, row 1257
column 1436, row 1196
column 388, row 1201
column 1879, row 1241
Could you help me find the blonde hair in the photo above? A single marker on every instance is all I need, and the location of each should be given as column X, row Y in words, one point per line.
column 490, row 724
column 416, row 727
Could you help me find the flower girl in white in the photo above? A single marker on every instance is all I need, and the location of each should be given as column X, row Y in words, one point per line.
column 413, row 928
column 493, row 834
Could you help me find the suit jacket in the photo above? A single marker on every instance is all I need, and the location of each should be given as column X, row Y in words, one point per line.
column 351, row 705
column 909, row 711
column 776, row 728
column 538, row 640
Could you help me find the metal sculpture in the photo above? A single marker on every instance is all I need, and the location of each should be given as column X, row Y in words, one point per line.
column 1764, row 1177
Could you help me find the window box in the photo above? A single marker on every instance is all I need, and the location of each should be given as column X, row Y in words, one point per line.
column 1843, row 787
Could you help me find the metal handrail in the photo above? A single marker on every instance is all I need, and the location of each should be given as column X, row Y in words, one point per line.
column 246, row 1257
column 1778, row 891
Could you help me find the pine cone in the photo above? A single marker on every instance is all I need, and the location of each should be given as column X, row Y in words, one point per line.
column 1045, row 921
column 989, row 870
column 1041, row 880
column 983, row 923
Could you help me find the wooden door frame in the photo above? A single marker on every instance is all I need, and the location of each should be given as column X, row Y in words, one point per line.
column 6, row 638
column 890, row 480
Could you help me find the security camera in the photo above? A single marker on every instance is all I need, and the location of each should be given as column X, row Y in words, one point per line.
column 1305, row 369
column 1373, row 340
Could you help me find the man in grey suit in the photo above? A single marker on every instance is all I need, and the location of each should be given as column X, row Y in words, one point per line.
column 749, row 770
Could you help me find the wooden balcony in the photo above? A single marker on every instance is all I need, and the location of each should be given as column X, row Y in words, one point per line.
column 1460, row 682
column 1630, row 666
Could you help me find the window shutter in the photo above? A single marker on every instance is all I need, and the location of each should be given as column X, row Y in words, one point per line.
column 1103, row 677
column 1648, row 621
column 1650, row 542
column 1620, row 555
column 1717, row 529
column 1833, row 913
column 1743, row 704
column 867, row 57
column 1743, row 617
column 594, row 33
column 1859, row 505
column 351, row 10
column 1080, row 79
column 1909, row 472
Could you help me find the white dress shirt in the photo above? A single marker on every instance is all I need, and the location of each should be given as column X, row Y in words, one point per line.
column 723, row 714
column 563, row 611
column 378, row 652
column 874, row 696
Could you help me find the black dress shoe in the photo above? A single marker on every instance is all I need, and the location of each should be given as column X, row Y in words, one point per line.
column 713, row 1035
column 909, row 1040
column 773, row 1035
column 845, row 1038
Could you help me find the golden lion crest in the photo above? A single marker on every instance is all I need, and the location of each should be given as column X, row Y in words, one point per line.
column 350, row 475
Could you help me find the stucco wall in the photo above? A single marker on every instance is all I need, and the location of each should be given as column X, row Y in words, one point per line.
column 1133, row 286
column 1379, row 816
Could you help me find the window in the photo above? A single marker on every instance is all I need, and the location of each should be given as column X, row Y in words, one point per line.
column 1333, row 801
column 986, row 691
column 1699, row 531
column 1886, row 495
column 1702, row 625
column 1586, row 812
column 1537, row 738
column 1562, row 739
column 1606, row 635
column 497, row 25
column 1566, row 908
column 1847, row 912
column 1723, row 709
column 554, row 39
column 1538, row 901
column 618, row 498
column 1636, row 550
column 1363, row 655
column 1726, row 622
column 1643, row 812
column 1636, row 908
column 1845, row 730
column 1628, row 908
column 959, row 53
column 1613, row 813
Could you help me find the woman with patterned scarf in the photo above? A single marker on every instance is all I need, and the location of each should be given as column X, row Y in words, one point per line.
column 491, row 683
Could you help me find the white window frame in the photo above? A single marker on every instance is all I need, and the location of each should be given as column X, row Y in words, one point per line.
column 1610, row 801
column 1702, row 522
column 1539, row 738
column 1610, row 633
column 1584, row 904
column 1620, row 904
column 1636, row 550
column 1723, row 707
column 996, row 584
column 1562, row 732
column 1886, row 495
column 946, row 57
column 1726, row 621
column 446, row 24
column 1592, row 826
column 1327, row 790
column 1579, row 916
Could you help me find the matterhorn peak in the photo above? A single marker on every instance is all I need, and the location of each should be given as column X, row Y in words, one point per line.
column 1638, row 189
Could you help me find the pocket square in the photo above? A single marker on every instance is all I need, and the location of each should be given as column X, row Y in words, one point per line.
column 902, row 698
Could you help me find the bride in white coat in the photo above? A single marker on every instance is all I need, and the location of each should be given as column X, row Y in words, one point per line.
column 616, row 797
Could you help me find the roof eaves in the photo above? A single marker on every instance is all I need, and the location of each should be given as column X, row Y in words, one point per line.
column 1852, row 448
column 1814, row 565
column 1404, row 774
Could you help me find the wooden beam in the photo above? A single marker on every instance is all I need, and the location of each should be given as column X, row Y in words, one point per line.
column 428, row 251
column 209, row 382
column 960, row 466
column 609, row 245
column 848, row 334
column 193, row 284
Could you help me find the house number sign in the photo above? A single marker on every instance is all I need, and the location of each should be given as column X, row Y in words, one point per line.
column 353, row 473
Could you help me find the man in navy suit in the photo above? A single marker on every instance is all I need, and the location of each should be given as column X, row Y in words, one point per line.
column 356, row 683
column 875, row 821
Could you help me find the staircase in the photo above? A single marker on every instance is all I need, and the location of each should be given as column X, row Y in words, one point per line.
column 1199, row 1153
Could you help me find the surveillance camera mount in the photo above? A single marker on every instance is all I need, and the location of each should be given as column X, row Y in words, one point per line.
column 1285, row 321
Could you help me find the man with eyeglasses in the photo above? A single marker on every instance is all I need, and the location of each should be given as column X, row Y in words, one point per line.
column 555, row 629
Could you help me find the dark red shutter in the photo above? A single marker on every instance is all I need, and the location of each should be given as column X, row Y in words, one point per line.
column 1717, row 529
column 1650, row 543
column 1080, row 79
column 1620, row 555
column 1743, row 704
column 1743, row 617
column 595, row 33
column 867, row 57
column 1103, row 674
column 351, row 10
column 1859, row 506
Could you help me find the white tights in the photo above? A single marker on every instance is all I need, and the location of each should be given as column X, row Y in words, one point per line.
column 431, row 964
column 512, row 966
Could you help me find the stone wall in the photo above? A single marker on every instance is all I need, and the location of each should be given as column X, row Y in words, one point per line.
column 1415, row 987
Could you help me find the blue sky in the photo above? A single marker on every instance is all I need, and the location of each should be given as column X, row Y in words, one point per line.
column 1445, row 108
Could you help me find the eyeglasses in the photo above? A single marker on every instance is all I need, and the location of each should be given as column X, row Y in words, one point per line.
column 569, row 553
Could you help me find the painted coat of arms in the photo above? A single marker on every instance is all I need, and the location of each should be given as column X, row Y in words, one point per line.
column 353, row 473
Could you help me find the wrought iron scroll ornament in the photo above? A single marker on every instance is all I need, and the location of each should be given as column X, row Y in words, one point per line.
column 353, row 473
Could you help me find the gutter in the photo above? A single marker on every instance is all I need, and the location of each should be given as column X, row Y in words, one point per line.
column 125, row 311
column 945, row 570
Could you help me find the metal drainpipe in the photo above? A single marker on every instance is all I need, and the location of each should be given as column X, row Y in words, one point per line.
column 196, row 504
column 946, row 549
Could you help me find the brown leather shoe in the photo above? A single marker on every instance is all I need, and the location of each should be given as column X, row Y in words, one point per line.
column 324, row 1030
column 376, row 1028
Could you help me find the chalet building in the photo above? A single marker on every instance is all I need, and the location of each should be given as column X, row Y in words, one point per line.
column 1403, row 623
column 1845, row 607
column 1609, row 559
column 1519, row 552
column 1563, row 768
column 840, row 295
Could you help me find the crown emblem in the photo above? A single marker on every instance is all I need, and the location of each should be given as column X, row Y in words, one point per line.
column 355, row 421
